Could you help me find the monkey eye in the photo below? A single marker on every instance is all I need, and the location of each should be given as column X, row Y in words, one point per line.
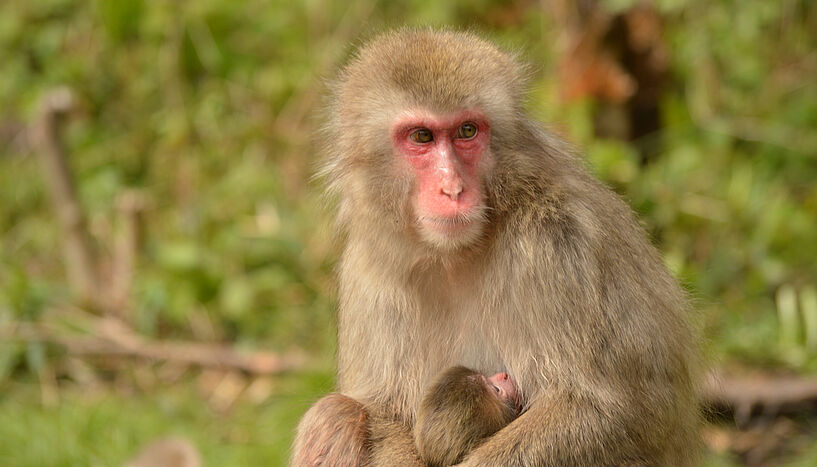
column 423, row 135
column 467, row 131
column 497, row 389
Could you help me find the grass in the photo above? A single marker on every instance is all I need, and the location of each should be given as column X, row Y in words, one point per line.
column 106, row 426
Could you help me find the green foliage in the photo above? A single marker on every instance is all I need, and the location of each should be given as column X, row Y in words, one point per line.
column 207, row 107
column 181, row 102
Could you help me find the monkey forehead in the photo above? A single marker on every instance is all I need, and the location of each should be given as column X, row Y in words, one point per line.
column 418, row 117
column 443, row 71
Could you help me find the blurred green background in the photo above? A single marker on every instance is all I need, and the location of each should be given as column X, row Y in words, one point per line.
column 206, row 111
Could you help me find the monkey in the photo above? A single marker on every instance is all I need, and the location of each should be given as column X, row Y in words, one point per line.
column 472, row 236
column 459, row 410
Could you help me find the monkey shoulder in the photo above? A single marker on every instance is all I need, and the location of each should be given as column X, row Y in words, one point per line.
column 579, row 239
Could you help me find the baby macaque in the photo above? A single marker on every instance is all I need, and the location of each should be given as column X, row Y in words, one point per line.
column 460, row 410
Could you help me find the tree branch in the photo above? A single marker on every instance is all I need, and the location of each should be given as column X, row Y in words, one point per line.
column 769, row 395
column 114, row 339
column 80, row 261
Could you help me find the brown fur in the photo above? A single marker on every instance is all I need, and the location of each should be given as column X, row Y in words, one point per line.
column 342, row 440
column 456, row 414
column 562, row 290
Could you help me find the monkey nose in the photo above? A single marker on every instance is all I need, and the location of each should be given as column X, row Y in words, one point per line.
column 452, row 190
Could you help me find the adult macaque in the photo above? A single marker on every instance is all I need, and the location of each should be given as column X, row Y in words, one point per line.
column 475, row 238
column 461, row 409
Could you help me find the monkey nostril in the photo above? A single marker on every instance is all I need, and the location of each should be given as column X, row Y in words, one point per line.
column 452, row 192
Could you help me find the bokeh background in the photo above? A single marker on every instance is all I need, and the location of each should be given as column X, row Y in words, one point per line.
column 166, row 257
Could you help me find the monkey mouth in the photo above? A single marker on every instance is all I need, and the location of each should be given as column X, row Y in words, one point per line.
column 454, row 230
column 448, row 225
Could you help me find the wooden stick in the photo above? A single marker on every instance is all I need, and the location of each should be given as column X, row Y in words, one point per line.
column 769, row 395
column 127, row 244
column 118, row 341
column 80, row 261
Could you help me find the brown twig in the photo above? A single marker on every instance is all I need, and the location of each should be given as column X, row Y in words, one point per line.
column 130, row 206
column 79, row 258
column 743, row 396
column 114, row 339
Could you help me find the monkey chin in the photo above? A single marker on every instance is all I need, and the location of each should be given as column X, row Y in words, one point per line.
column 451, row 233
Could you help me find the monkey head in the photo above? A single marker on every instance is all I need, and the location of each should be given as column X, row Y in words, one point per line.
column 425, row 138
column 502, row 387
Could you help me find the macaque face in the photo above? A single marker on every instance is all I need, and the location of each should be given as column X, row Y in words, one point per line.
column 503, row 388
column 447, row 155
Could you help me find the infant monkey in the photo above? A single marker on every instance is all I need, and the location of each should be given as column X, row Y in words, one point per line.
column 460, row 410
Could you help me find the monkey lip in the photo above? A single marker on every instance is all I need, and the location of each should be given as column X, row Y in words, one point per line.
column 448, row 225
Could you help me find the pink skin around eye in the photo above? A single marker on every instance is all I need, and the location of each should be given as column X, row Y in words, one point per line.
column 446, row 168
column 503, row 386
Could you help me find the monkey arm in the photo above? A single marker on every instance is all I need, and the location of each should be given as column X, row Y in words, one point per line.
column 340, row 431
column 334, row 431
column 392, row 443
column 559, row 429
column 603, row 425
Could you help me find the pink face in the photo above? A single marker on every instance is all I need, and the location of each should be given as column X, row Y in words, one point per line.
column 447, row 154
column 503, row 387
